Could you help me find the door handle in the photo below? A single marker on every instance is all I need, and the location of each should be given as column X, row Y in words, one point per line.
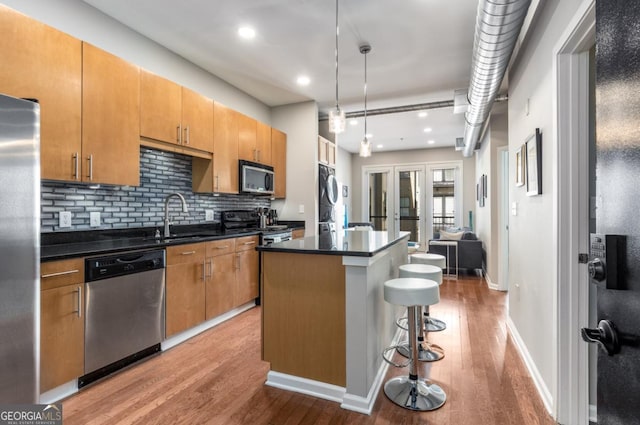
column 605, row 335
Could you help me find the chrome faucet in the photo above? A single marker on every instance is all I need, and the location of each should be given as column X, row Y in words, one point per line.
column 167, row 233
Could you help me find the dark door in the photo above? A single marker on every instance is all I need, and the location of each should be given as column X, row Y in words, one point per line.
column 618, row 213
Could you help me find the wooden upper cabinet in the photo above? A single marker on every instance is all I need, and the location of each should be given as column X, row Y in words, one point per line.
column 254, row 140
column 225, row 149
column 247, row 128
column 263, row 143
column 160, row 108
column 110, row 119
column 279, row 161
column 42, row 63
column 175, row 114
column 197, row 120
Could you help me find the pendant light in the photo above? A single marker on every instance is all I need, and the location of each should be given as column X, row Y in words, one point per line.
column 337, row 119
column 365, row 144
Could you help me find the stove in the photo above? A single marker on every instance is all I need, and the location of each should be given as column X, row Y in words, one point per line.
column 250, row 220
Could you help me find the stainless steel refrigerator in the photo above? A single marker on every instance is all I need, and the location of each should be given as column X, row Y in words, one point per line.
column 19, row 250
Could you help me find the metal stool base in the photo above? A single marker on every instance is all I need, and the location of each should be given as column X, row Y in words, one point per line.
column 434, row 325
column 414, row 395
column 426, row 352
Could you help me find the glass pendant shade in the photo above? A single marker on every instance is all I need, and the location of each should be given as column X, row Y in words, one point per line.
column 337, row 120
column 365, row 148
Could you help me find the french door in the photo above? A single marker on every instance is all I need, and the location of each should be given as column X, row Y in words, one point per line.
column 416, row 198
column 409, row 201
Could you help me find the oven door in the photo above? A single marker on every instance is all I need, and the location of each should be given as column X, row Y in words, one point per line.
column 270, row 238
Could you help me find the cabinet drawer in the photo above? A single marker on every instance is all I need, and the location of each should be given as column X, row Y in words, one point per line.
column 55, row 274
column 221, row 247
column 181, row 254
column 246, row 242
column 297, row 234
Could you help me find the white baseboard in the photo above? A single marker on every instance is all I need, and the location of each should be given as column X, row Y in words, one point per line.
column 190, row 333
column 493, row 286
column 58, row 393
column 544, row 392
column 593, row 414
column 365, row 404
column 305, row 386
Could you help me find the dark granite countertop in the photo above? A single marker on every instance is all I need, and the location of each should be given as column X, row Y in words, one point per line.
column 357, row 243
column 64, row 245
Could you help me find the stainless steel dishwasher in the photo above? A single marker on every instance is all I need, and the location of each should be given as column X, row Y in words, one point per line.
column 124, row 316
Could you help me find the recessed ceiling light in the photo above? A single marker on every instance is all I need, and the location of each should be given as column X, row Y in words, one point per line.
column 427, row 130
column 353, row 122
column 380, row 146
column 422, row 114
column 247, row 33
column 368, row 135
column 303, row 80
column 430, row 142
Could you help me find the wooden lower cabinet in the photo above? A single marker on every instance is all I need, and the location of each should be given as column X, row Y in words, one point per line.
column 61, row 322
column 207, row 279
column 247, row 259
column 221, row 280
column 185, row 286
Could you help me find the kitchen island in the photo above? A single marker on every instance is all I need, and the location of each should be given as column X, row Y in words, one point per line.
column 325, row 321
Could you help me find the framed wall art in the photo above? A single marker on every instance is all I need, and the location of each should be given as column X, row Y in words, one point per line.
column 534, row 164
column 521, row 158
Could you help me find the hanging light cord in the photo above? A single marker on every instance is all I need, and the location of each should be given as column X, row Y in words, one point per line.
column 337, row 34
column 365, row 96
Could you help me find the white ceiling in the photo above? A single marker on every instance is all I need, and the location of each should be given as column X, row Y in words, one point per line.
column 421, row 52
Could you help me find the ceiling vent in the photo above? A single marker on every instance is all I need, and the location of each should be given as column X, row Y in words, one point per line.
column 498, row 25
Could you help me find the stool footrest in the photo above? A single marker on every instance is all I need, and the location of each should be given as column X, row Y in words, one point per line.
column 391, row 362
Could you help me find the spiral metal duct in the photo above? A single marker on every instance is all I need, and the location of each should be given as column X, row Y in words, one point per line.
column 498, row 25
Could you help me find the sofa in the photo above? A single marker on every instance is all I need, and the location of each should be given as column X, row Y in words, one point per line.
column 471, row 252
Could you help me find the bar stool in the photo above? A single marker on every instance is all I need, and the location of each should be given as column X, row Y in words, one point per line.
column 426, row 352
column 432, row 324
column 412, row 392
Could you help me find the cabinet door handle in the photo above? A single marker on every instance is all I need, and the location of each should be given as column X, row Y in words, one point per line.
column 44, row 276
column 217, row 182
column 188, row 253
column 186, row 135
column 258, row 151
column 211, row 268
column 237, row 261
column 79, row 310
column 249, row 243
column 75, row 166
column 255, row 155
column 204, row 270
column 179, row 133
column 222, row 247
column 90, row 160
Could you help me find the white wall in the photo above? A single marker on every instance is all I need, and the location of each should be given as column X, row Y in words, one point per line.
column 87, row 23
column 300, row 122
column 420, row 156
column 532, row 263
column 487, row 160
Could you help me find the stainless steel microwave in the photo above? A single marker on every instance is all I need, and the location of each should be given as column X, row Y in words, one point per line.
column 256, row 178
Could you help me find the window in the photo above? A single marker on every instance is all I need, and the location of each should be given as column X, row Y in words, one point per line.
column 443, row 198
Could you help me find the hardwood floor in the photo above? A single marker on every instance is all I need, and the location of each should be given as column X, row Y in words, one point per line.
column 218, row 378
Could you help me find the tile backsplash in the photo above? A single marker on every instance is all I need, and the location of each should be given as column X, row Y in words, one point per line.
column 161, row 173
